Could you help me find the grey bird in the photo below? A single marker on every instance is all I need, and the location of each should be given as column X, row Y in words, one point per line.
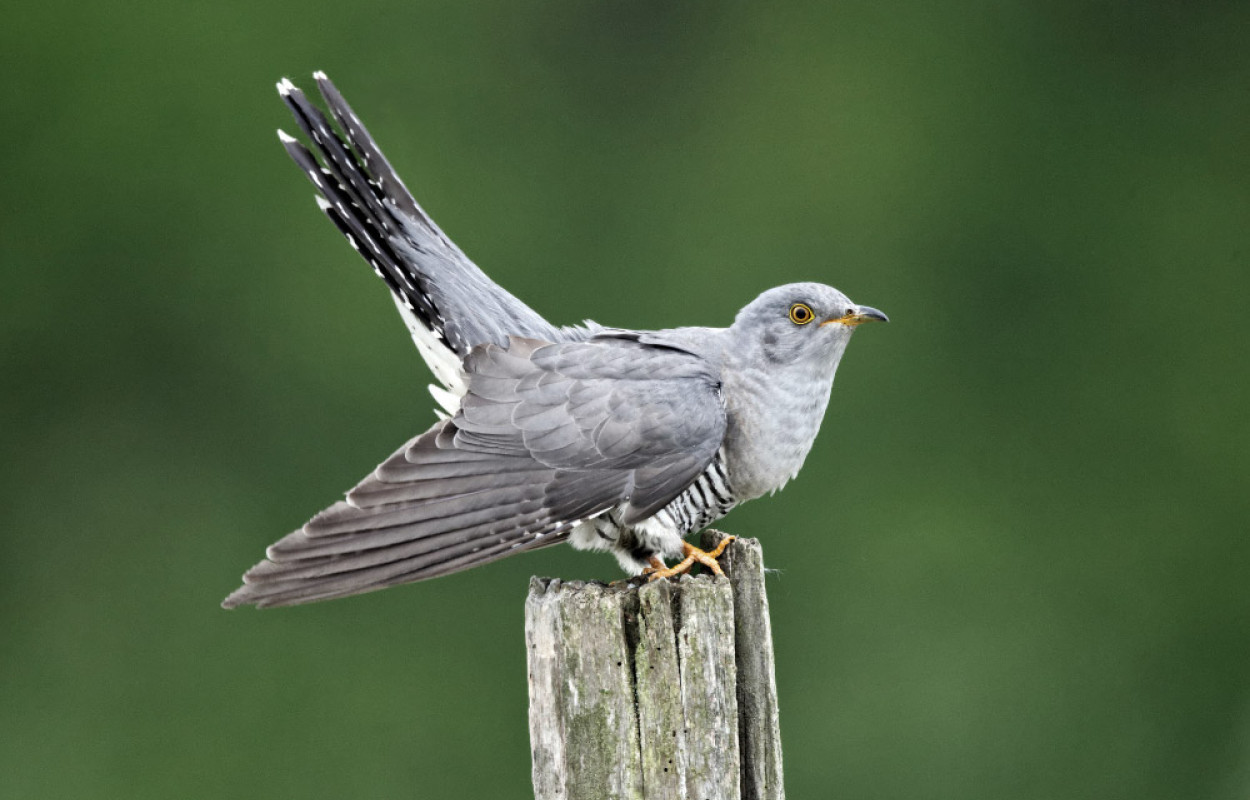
column 607, row 438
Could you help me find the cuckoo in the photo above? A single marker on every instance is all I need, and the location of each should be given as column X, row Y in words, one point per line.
column 605, row 438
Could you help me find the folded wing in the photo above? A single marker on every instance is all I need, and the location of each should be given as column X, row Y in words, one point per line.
column 548, row 435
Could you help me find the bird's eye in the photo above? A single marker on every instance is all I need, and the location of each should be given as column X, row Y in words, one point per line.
column 801, row 314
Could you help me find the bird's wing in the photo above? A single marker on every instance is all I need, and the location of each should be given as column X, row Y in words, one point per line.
column 448, row 303
column 548, row 435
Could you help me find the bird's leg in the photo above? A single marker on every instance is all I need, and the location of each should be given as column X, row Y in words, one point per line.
column 692, row 555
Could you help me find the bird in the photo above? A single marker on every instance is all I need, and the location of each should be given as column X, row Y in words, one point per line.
column 610, row 439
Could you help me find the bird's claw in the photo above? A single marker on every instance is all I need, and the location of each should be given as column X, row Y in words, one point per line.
column 692, row 555
column 654, row 564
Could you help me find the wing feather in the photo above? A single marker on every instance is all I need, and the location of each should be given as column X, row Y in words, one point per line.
column 482, row 485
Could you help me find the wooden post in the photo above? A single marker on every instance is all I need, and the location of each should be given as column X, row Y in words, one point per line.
column 655, row 692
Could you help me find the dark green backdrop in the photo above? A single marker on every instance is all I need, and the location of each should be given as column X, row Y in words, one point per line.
column 1015, row 566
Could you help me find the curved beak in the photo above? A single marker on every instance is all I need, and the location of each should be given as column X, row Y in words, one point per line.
column 861, row 315
column 870, row 314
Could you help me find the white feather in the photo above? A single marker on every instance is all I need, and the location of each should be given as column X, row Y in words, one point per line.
column 657, row 533
column 443, row 362
column 448, row 401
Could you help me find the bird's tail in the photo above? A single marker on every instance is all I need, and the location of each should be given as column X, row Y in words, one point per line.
column 360, row 195
column 449, row 304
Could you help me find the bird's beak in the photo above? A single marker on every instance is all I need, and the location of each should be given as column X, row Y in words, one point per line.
column 861, row 315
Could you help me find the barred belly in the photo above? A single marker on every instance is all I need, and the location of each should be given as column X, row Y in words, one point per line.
column 706, row 500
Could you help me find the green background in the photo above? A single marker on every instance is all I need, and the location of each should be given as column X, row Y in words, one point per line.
column 1016, row 564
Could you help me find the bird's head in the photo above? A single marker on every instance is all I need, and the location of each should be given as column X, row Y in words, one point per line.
column 802, row 322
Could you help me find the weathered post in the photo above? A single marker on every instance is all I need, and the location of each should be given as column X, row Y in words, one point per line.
column 655, row 692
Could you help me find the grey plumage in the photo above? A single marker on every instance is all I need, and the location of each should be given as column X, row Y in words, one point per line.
column 611, row 439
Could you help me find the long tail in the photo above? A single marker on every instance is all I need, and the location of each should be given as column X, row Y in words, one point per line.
column 449, row 304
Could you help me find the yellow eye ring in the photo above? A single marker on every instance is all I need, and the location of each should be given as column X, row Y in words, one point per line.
column 801, row 314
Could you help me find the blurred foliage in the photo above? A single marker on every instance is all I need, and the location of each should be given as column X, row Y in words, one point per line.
column 1015, row 565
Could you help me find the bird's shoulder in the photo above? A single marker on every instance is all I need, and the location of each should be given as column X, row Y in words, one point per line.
column 612, row 396
column 607, row 354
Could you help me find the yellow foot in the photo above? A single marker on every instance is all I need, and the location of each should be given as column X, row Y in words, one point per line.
column 692, row 555
column 654, row 564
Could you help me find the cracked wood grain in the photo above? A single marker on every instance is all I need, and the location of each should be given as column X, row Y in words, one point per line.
column 659, row 690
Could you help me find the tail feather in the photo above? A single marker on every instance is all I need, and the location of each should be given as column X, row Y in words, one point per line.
column 375, row 162
column 447, row 302
column 354, row 206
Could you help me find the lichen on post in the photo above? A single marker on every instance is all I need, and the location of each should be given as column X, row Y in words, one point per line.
column 654, row 690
